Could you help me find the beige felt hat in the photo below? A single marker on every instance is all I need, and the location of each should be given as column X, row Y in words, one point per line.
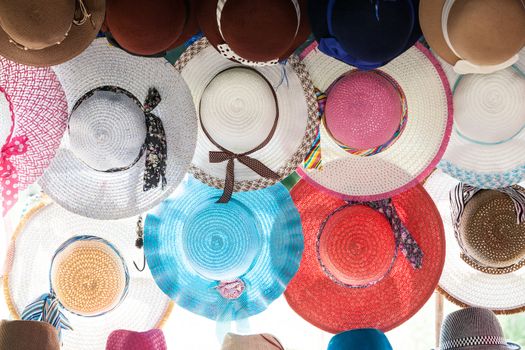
column 476, row 36
column 251, row 342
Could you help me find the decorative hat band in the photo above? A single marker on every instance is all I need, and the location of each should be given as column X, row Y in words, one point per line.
column 460, row 195
column 14, row 146
column 78, row 22
column 154, row 144
column 226, row 155
column 227, row 51
column 473, row 341
column 48, row 308
column 464, row 66
column 273, row 341
column 403, row 240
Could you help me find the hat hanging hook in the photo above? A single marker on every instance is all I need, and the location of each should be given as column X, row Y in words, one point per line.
column 139, row 243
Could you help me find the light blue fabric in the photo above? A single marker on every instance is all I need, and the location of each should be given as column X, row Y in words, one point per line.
column 484, row 180
column 191, row 243
column 360, row 339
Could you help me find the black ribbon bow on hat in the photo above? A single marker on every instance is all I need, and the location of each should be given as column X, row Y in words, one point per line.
column 154, row 145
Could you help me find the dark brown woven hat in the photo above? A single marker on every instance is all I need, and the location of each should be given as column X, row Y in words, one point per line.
column 45, row 33
column 28, row 335
column 150, row 28
column 256, row 30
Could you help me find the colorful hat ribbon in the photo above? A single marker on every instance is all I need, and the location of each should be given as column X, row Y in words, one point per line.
column 403, row 240
column 78, row 22
column 8, row 174
column 155, row 143
column 460, row 195
column 225, row 49
column 226, row 155
column 480, row 340
column 47, row 307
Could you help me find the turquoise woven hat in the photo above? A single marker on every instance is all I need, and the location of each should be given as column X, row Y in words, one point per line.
column 224, row 261
column 360, row 339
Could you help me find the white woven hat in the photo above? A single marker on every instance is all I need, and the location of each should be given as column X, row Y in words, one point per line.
column 99, row 170
column 502, row 293
column 486, row 145
column 418, row 148
column 27, row 275
column 238, row 107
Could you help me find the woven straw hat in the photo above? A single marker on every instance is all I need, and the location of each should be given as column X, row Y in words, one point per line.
column 224, row 261
column 473, row 329
column 105, row 169
column 83, row 264
column 252, row 342
column 268, row 114
column 33, row 118
column 150, row 29
column 254, row 32
column 28, row 335
column 129, row 340
column 365, row 264
column 362, row 339
column 475, row 36
column 391, row 145
column 485, row 148
column 487, row 249
column 61, row 30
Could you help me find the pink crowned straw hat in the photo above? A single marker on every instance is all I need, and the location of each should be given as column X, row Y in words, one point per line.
column 129, row 340
column 382, row 131
column 33, row 118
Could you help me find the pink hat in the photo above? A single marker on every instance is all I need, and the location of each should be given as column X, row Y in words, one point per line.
column 130, row 340
column 33, row 118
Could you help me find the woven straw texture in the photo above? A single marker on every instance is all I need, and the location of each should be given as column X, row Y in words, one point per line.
column 40, row 109
column 391, row 301
column 129, row 340
column 85, row 191
column 191, row 243
column 296, row 127
column 417, row 150
column 504, row 293
column 40, row 233
column 486, row 145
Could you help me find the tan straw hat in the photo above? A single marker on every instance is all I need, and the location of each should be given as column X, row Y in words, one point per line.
column 251, row 342
column 45, row 33
column 28, row 335
column 476, row 36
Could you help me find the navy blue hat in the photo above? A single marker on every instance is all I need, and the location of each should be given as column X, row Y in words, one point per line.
column 360, row 339
column 366, row 34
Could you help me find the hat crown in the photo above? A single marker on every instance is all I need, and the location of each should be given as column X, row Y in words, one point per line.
column 489, row 230
column 356, row 245
column 131, row 340
column 365, row 338
column 487, row 32
column 28, row 335
column 470, row 323
column 364, row 109
column 107, row 131
column 37, row 24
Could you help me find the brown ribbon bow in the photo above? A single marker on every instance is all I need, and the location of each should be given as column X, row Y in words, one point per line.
column 226, row 155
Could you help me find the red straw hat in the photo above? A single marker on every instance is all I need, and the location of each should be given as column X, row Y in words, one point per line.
column 129, row 340
column 259, row 32
column 365, row 264
column 150, row 28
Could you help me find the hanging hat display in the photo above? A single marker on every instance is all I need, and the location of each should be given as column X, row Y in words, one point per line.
column 365, row 264
column 255, row 124
column 252, row 342
column 485, row 231
column 224, row 261
column 382, row 131
column 61, row 30
column 363, row 33
column 471, row 329
column 28, row 335
column 131, row 136
column 150, row 29
column 475, row 36
column 81, row 266
column 129, row 340
column 254, row 32
column 360, row 339
column 486, row 145
column 33, row 118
